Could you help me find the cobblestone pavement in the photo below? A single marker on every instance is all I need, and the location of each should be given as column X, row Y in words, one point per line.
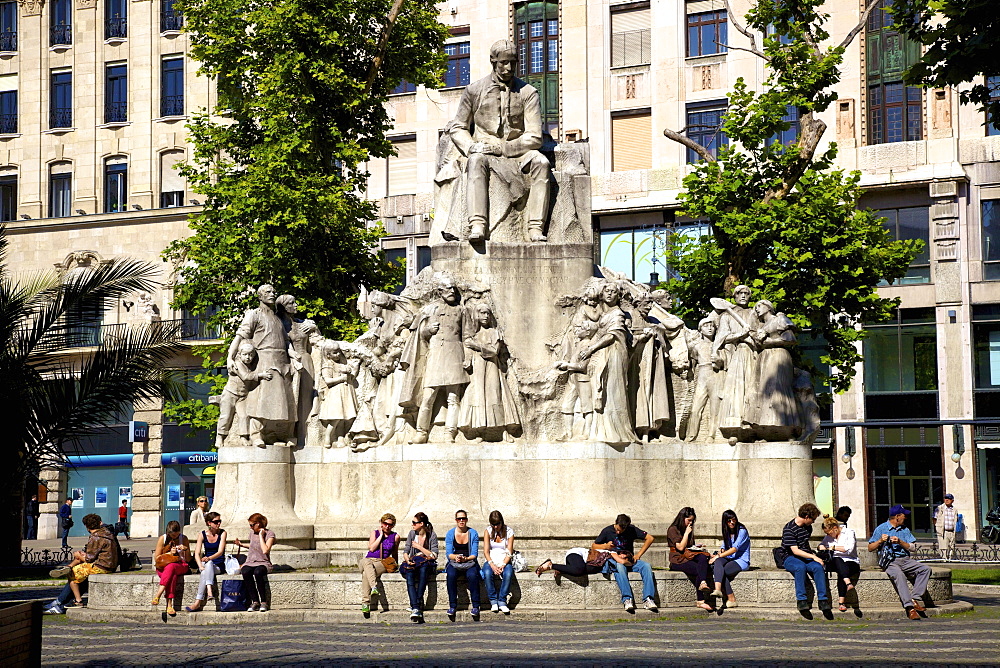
column 964, row 639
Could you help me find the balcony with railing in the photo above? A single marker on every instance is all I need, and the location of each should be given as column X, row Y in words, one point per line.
column 115, row 112
column 8, row 124
column 61, row 35
column 8, row 40
column 116, row 28
column 172, row 105
column 171, row 19
column 61, row 118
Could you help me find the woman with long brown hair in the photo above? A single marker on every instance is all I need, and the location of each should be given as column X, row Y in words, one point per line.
column 499, row 552
column 419, row 562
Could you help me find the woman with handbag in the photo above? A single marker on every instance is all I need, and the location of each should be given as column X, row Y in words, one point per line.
column 499, row 553
column 381, row 558
column 686, row 556
column 842, row 546
column 258, row 563
column 171, row 560
column 732, row 559
column 419, row 562
column 210, row 556
column 461, row 545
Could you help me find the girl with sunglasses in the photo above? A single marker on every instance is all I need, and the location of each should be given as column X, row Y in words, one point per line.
column 210, row 555
column 383, row 542
column 420, row 553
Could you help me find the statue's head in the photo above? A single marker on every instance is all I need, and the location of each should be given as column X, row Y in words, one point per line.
column 446, row 289
column 247, row 352
column 644, row 305
column 741, row 295
column 484, row 316
column 287, row 304
column 330, row 348
column 611, row 293
column 763, row 307
column 707, row 327
column 503, row 57
column 267, row 294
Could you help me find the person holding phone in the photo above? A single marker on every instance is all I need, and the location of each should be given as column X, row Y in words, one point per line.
column 619, row 539
column 461, row 545
column 687, row 556
column 732, row 559
column 258, row 563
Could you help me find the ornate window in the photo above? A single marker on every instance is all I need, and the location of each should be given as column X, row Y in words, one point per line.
column 895, row 111
column 536, row 33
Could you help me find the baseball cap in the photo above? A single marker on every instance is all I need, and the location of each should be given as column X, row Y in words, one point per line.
column 897, row 509
column 950, row 496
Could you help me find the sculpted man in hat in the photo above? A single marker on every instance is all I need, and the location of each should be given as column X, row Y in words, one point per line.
column 499, row 128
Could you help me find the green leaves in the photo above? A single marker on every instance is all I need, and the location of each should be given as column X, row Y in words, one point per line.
column 785, row 222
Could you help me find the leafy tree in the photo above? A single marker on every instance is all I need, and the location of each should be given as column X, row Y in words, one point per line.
column 54, row 401
column 784, row 221
column 961, row 38
column 280, row 160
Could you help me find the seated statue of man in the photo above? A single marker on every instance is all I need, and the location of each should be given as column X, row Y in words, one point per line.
column 499, row 128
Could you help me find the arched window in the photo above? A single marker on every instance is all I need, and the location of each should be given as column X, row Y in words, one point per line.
column 115, row 184
column 171, row 181
column 8, row 193
column 60, row 189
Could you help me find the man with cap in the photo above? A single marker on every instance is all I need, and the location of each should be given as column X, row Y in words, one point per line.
column 945, row 521
column 894, row 542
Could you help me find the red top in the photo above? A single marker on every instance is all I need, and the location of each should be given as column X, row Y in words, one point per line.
column 122, row 512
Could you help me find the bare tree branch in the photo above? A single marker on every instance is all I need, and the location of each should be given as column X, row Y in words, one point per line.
column 742, row 29
column 383, row 42
column 861, row 24
column 750, row 50
column 690, row 143
column 811, row 130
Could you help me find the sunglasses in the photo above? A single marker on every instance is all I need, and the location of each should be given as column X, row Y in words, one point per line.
column 215, row 521
column 461, row 519
column 388, row 524
column 416, row 522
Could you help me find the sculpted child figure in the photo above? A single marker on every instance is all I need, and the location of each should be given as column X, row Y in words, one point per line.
column 243, row 377
column 339, row 404
column 706, row 394
column 487, row 403
column 578, row 384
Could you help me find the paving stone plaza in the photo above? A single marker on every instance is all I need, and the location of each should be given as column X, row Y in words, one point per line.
column 685, row 639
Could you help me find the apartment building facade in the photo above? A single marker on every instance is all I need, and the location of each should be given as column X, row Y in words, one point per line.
column 922, row 418
column 93, row 101
column 94, row 96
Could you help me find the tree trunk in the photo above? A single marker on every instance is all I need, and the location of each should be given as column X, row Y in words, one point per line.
column 12, row 517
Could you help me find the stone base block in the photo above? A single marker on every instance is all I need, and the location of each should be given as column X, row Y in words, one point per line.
column 335, row 591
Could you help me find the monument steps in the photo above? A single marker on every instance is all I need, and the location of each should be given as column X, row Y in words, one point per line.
column 335, row 598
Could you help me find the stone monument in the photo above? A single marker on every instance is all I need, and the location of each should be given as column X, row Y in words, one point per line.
column 512, row 374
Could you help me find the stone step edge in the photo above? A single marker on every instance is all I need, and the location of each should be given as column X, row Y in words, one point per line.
column 333, row 616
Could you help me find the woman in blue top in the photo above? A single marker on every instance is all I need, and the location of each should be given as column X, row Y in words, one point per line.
column 733, row 558
column 461, row 545
column 210, row 553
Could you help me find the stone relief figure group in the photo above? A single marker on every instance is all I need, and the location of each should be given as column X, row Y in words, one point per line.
column 625, row 370
column 635, row 372
column 426, row 359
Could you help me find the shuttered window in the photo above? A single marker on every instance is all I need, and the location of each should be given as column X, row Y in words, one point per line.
column 630, row 37
column 402, row 170
column 631, row 141
column 171, row 181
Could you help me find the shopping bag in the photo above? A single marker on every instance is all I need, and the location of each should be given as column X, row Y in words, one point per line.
column 232, row 565
column 233, row 596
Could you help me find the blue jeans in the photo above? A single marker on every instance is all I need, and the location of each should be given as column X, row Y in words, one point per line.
column 621, row 572
column 471, row 580
column 416, row 584
column 491, row 586
column 32, row 532
column 66, row 596
column 65, row 535
column 799, row 567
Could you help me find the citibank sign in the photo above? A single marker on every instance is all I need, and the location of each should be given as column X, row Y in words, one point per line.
column 184, row 458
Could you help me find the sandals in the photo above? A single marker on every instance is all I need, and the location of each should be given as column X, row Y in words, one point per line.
column 170, row 609
column 156, row 600
column 705, row 606
column 541, row 569
column 842, row 608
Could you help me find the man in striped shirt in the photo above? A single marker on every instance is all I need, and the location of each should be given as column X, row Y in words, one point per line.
column 801, row 561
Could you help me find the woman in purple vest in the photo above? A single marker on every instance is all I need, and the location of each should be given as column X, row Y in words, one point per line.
column 383, row 542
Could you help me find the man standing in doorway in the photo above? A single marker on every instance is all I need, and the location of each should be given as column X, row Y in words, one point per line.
column 66, row 521
column 31, row 514
column 945, row 522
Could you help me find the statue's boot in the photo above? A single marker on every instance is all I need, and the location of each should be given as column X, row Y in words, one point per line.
column 451, row 433
column 478, row 229
column 420, row 436
column 535, row 231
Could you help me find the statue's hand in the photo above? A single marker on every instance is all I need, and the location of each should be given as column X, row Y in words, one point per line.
column 476, row 147
column 490, row 148
column 434, row 327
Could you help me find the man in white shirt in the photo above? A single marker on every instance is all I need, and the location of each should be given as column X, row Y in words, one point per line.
column 945, row 520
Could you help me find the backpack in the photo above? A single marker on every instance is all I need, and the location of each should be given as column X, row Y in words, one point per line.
column 127, row 561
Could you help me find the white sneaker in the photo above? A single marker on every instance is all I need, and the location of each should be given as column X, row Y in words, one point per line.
column 495, row 607
column 629, row 605
column 504, row 609
column 414, row 614
column 264, row 607
column 650, row 604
